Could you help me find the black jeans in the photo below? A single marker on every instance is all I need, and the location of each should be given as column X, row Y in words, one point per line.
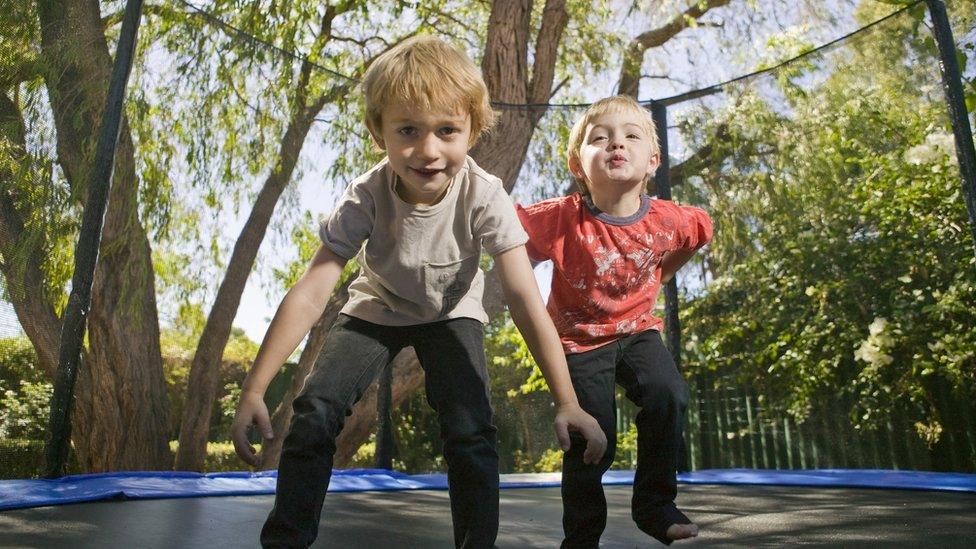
column 643, row 366
column 452, row 355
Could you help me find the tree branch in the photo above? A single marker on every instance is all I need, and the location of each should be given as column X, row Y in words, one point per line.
column 115, row 18
column 554, row 19
column 26, row 68
column 21, row 255
column 680, row 172
column 634, row 53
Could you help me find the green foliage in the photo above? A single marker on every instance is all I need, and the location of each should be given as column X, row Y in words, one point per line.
column 625, row 457
column 25, row 392
column 24, row 413
column 221, row 456
column 507, row 349
column 178, row 346
column 18, row 362
column 24, row 458
column 843, row 260
column 551, row 461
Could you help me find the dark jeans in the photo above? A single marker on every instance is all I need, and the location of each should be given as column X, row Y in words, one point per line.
column 642, row 365
column 452, row 355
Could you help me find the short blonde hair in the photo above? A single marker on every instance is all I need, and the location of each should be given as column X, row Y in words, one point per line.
column 607, row 105
column 431, row 74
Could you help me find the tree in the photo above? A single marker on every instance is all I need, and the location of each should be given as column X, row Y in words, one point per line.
column 844, row 275
column 120, row 410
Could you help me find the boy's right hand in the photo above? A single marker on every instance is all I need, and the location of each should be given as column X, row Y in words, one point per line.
column 572, row 417
column 250, row 411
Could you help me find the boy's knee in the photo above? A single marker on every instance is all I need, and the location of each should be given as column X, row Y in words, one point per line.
column 665, row 395
column 464, row 428
column 460, row 423
column 316, row 423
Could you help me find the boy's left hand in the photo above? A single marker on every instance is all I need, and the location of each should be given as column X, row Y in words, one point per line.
column 572, row 417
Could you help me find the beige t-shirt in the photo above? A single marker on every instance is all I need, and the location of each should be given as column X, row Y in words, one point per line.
column 421, row 262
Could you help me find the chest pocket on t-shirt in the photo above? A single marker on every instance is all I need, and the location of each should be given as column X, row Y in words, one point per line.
column 447, row 283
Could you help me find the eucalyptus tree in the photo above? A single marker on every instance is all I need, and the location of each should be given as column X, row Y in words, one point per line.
column 56, row 72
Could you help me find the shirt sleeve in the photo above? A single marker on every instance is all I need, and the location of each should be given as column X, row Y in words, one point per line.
column 496, row 223
column 540, row 221
column 693, row 226
column 350, row 223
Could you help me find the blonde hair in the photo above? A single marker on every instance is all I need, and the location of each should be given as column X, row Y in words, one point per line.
column 607, row 105
column 426, row 72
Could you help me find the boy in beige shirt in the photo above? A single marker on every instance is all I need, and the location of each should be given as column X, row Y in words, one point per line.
column 424, row 213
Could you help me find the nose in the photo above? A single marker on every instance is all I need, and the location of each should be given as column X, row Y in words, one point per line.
column 615, row 142
column 427, row 148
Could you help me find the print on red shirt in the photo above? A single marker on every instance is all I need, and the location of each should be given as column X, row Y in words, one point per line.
column 607, row 270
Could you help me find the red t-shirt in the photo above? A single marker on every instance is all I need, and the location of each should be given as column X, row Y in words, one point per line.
column 607, row 270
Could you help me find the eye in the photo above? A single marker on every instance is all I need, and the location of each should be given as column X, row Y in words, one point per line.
column 448, row 130
column 597, row 138
column 407, row 131
column 633, row 136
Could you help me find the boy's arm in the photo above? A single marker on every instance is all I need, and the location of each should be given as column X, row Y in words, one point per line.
column 695, row 231
column 530, row 316
column 299, row 309
column 673, row 261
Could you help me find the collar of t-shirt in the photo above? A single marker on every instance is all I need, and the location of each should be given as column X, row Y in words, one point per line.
column 603, row 216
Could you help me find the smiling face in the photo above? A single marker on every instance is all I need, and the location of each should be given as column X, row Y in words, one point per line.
column 616, row 154
column 426, row 148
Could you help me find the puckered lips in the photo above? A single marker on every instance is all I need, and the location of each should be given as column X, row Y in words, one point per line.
column 617, row 160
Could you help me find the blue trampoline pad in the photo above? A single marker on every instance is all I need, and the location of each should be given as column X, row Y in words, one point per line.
column 19, row 494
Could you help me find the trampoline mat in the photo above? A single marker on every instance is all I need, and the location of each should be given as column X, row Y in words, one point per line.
column 744, row 516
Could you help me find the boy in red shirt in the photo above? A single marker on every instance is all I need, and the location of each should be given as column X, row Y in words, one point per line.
column 612, row 248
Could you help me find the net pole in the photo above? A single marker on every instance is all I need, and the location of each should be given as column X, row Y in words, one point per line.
column 672, row 328
column 952, row 85
column 86, row 251
column 662, row 182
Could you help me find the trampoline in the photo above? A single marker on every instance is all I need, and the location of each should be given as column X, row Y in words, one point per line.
column 377, row 508
column 374, row 508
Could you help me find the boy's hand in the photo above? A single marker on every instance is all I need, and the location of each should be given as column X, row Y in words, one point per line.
column 572, row 417
column 250, row 411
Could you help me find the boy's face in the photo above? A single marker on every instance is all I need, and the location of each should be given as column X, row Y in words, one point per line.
column 616, row 154
column 426, row 148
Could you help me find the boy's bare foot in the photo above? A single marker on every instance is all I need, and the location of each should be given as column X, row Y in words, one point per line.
column 682, row 531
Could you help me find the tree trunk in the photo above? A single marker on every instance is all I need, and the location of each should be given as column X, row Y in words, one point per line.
column 202, row 384
column 505, row 69
column 204, row 372
column 120, row 411
column 21, row 255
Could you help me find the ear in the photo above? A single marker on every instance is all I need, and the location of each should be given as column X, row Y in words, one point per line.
column 377, row 135
column 654, row 164
column 574, row 168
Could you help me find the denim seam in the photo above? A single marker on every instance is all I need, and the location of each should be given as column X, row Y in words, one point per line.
column 355, row 384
